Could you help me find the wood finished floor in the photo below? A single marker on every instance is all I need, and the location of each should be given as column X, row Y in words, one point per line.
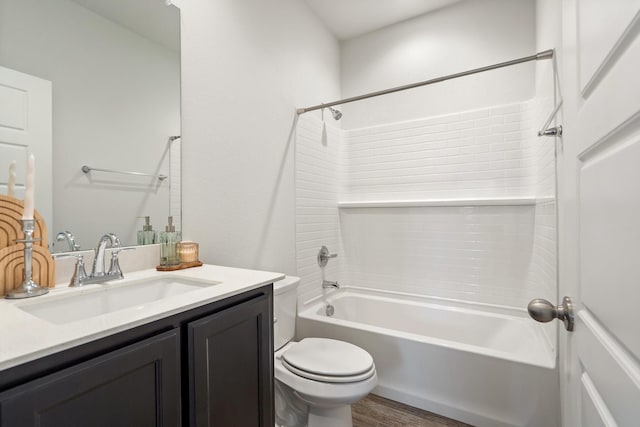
column 376, row 411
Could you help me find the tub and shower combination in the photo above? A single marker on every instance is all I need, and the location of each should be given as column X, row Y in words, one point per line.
column 464, row 198
column 487, row 366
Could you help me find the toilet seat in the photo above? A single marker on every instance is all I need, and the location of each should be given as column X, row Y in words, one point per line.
column 327, row 360
column 329, row 379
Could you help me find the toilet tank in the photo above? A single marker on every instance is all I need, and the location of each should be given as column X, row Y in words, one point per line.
column 285, row 301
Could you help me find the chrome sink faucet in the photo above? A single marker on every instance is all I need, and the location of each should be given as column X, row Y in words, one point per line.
column 98, row 274
column 98, row 261
column 68, row 237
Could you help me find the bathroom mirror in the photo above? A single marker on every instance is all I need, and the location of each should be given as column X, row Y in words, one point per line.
column 114, row 68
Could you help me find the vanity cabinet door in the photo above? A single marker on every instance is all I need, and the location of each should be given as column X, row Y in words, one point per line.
column 138, row 385
column 231, row 366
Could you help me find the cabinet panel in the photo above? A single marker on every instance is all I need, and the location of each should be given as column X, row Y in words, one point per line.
column 138, row 385
column 231, row 366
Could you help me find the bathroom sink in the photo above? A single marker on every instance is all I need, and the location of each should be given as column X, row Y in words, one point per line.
column 110, row 298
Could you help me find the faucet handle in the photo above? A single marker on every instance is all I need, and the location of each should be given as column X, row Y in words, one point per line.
column 116, row 250
column 324, row 256
column 68, row 237
column 65, row 255
column 114, row 269
column 79, row 273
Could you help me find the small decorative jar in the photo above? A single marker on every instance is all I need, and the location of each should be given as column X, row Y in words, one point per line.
column 188, row 252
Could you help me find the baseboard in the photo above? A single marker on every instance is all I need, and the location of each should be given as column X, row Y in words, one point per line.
column 475, row 419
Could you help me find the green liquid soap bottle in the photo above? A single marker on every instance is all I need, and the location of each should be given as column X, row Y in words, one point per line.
column 146, row 236
column 169, row 245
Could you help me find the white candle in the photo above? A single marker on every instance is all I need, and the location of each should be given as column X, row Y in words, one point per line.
column 11, row 184
column 29, row 188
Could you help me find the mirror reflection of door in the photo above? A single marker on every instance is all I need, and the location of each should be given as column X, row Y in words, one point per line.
column 25, row 127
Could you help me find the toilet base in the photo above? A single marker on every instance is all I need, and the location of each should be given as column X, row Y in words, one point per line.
column 339, row 416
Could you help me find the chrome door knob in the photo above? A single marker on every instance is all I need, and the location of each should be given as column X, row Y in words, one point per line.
column 543, row 311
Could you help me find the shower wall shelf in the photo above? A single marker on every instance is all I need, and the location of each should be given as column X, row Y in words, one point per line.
column 496, row 201
column 541, row 200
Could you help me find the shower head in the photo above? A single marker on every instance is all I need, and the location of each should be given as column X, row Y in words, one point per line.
column 337, row 115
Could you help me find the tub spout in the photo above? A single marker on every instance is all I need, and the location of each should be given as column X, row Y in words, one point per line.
column 329, row 284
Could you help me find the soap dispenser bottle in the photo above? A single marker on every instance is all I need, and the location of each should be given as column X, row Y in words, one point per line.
column 169, row 245
column 146, row 236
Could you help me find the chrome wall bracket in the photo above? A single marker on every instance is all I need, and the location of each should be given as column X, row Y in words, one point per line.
column 543, row 311
column 554, row 131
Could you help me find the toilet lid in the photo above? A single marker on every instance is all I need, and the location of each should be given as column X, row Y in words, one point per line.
column 323, row 358
column 329, row 378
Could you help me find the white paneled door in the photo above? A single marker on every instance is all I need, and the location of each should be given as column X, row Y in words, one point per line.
column 599, row 212
column 26, row 126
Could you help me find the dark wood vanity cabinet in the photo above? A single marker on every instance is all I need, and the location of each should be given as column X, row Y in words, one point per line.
column 228, row 384
column 139, row 383
column 209, row 366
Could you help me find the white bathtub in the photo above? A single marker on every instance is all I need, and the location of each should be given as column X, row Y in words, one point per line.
column 483, row 365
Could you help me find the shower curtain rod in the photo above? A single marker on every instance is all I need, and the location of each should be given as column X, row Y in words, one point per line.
column 547, row 54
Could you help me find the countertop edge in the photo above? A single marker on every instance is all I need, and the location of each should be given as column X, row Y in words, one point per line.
column 22, row 333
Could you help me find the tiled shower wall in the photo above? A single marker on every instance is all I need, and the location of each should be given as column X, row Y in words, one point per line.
column 492, row 254
column 543, row 270
column 481, row 153
column 175, row 184
column 475, row 253
column 317, row 168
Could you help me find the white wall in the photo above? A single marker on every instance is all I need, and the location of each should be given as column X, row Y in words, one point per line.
column 424, row 148
column 548, row 36
column 116, row 99
column 246, row 65
column 466, row 35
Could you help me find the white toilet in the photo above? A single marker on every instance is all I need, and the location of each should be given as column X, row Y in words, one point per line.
column 316, row 379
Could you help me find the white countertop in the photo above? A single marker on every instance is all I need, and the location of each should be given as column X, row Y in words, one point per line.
column 24, row 337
